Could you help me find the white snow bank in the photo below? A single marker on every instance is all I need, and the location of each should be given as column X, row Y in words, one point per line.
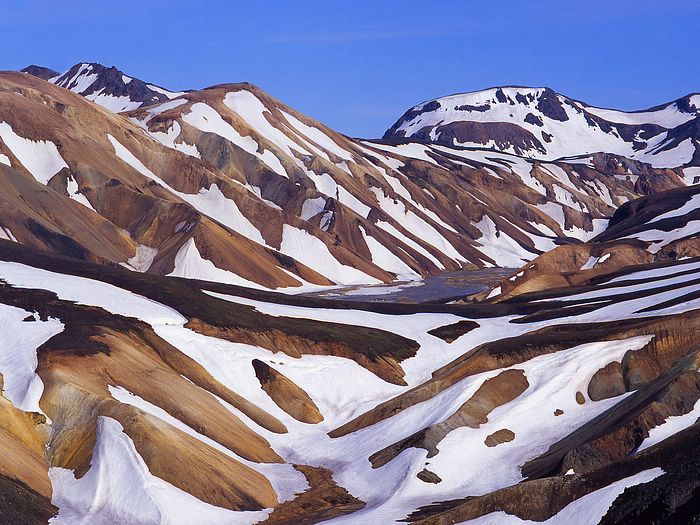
column 18, row 360
column 40, row 158
column 119, row 488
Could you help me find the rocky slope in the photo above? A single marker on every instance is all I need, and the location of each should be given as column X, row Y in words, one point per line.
column 659, row 228
column 542, row 124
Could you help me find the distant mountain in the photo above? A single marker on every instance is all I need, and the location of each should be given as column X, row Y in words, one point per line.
column 107, row 86
column 542, row 124
column 41, row 72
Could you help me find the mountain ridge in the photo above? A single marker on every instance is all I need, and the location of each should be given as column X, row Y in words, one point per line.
column 535, row 122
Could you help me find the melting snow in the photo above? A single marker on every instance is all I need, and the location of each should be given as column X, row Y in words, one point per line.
column 18, row 360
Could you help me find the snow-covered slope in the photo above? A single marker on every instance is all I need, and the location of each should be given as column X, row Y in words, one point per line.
column 542, row 124
column 168, row 401
column 106, row 86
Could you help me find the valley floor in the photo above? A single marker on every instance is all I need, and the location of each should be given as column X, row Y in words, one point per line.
column 443, row 287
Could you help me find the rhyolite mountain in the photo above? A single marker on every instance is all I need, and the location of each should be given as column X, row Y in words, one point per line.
column 151, row 374
column 260, row 194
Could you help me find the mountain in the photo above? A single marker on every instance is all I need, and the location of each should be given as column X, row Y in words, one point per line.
column 107, row 86
column 41, row 72
column 542, row 124
column 228, row 184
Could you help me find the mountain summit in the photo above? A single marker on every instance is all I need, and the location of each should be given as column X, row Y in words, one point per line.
column 542, row 124
column 107, row 86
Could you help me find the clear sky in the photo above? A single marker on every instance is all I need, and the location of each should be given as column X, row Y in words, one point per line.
column 357, row 65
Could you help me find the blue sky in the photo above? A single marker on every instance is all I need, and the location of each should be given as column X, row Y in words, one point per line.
column 358, row 65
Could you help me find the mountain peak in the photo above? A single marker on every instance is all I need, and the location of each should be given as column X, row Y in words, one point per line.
column 107, row 86
column 543, row 124
column 40, row 72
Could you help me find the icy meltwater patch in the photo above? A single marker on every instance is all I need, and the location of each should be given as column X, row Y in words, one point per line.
column 587, row 510
column 40, row 158
column 18, row 360
column 90, row 293
column 119, row 488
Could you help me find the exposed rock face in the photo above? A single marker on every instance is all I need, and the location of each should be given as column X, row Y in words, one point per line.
column 607, row 382
column 497, row 391
column 450, row 333
column 41, row 72
column 217, row 419
column 500, row 436
column 653, row 228
column 22, row 505
column 323, row 501
column 428, row 476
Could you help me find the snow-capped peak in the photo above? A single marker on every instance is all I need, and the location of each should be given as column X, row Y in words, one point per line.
column 106, row 86
column 540, row 123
